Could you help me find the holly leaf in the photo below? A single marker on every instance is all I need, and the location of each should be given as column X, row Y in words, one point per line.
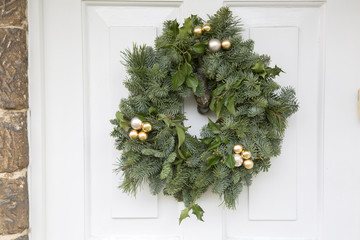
column 181, row 134
column 152, row 109
column 230, row 105
column 186, row 69
column 167, row 46
column 184, row 214
column 178, row 79
column 218, row 90
column 259, row 67
column 230, row 161
column 212, row 160
column 198, row 212
column 199, row 47
column 274, row 71
column 186, row 28
column 207, row 140
column 165, row 119
column 214, row 128
column 119, row 116
column 192, row 82
column 214, row 145
column 174, row 27
column 218, row 107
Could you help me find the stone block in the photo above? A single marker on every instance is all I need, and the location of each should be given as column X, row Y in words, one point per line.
column 13, row 69
column 14, row 147
column 14, row 205
column 13, row 13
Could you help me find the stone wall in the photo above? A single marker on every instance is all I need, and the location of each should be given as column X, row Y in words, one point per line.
column 14, row 149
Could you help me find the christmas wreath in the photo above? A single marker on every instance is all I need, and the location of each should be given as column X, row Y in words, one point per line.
column 211, row 61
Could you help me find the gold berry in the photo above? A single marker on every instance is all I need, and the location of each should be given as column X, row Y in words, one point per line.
column 246, row 154
column 248, row 164
column 226, row 44
column 146, row 127
column 143, row 136
column 197, row 30
column 237, row 148
column 133, row 134
column 206, row 27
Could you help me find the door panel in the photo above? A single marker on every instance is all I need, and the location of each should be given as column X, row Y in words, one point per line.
column 108, row 31
column 282, row 203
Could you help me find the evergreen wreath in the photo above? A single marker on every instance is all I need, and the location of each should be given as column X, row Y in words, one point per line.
column 226, row 77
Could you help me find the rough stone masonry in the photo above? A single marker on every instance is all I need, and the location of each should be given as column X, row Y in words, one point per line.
column 14, row 149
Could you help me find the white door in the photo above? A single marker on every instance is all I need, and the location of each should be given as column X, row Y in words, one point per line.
column 311, row 191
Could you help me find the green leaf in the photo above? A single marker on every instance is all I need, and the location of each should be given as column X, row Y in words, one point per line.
column 198, row 212
column 230, row 105
column 167, row 46
column 207, row 140
column 263, row 74
column 214, row 145
column 188, row 55
column 199, row 47
column 212, row 160
column 125, row 126
column 171, row 158
column 181, row 155
column 259, row 67
column 184, row 214
column 230, row 161
column 165, row 119
column 142, row 116
column 186, row 28
column 181, row 134
column 217, row 91
column 212, row 104
column 214, row 128
column 218, row 107
column 192, row 82
column 152, row 152
column 165, row 171
column 174, row 27
column 152, row 109
column 119, row 116
column 186, row 69
column 178, row 79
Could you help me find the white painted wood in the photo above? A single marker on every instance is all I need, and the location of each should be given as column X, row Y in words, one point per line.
column 36, row 123
column 109, row 30
column 64, row 126
column 342, row 126
column 285, row 213
column 278, row 187
column 63, row 99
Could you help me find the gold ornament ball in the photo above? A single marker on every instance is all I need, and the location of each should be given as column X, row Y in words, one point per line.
column 237, row 148
column 246, row 154
column 197, row 30
column 238, row 160
column 206, row 27
column 136, row 123
column 133, row 134
column 143, row 136
column 214, row 45
column 146, row 127
column 226, row 44
column 248, row 164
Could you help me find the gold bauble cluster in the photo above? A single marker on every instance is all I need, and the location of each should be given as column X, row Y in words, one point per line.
column 242, row 157
column 199, row 30
column 215, row 44
column 144, row 128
